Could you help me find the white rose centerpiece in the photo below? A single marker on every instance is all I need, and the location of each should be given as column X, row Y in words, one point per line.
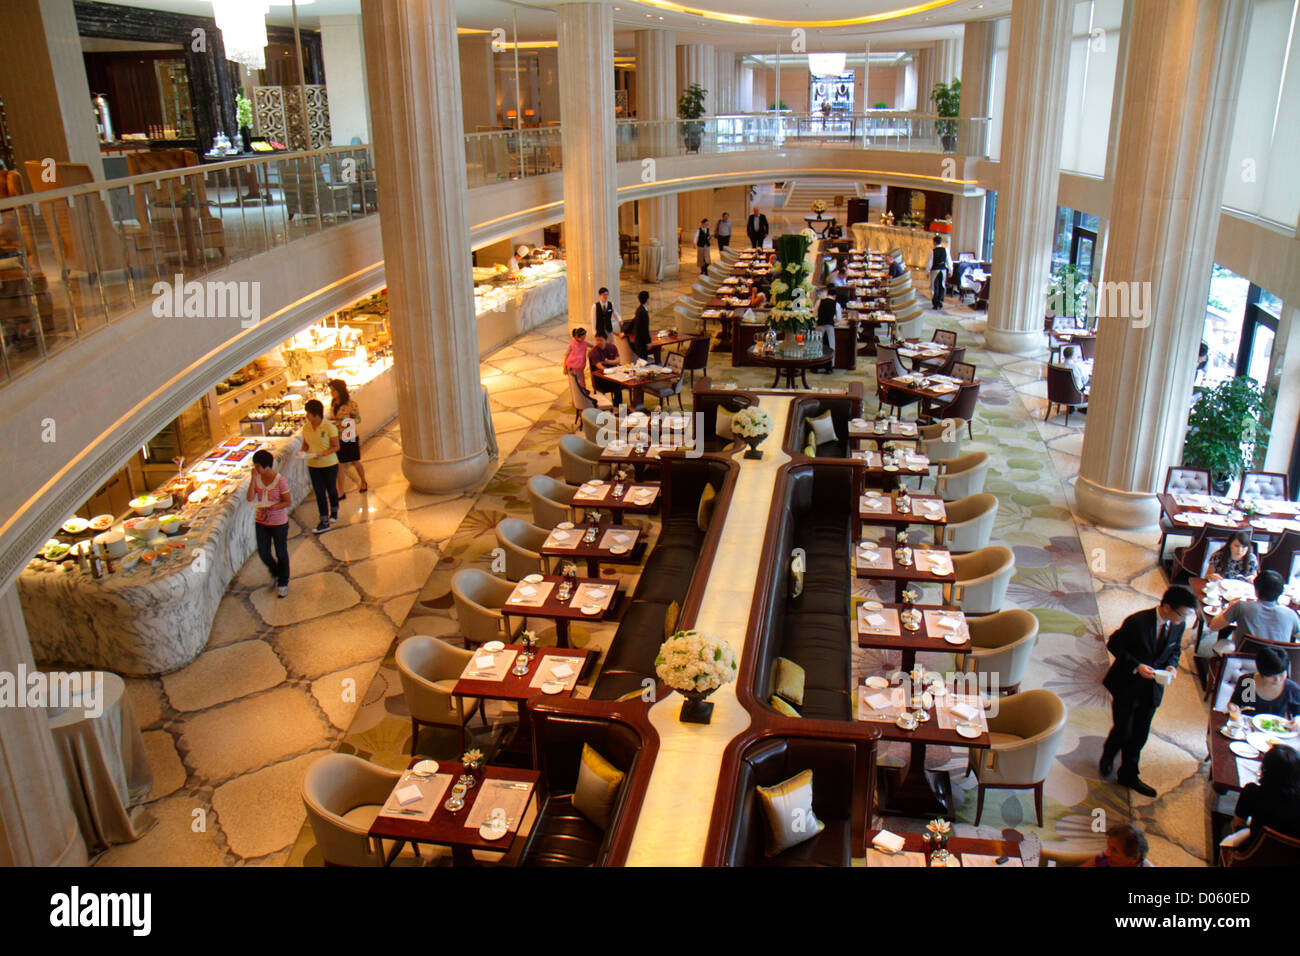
column 752, row 424
column 695, row 665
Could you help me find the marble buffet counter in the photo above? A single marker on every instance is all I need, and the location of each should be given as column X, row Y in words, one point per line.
column 152, row 618
column 915, row 243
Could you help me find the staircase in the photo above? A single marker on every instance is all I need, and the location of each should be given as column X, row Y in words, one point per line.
column 800, row 199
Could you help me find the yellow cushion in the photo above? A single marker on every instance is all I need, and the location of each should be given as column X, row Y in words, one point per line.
column 796, row 575
column 723, row 427
column 790, row 817
column 706, row 507
column 598, row 783
column 823, row 428
column 788, row 682
column 810, row 449
column 670, row 620
column 781, row 707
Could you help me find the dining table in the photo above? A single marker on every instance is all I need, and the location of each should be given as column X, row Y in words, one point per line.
column 922, row 355
column 968, row 851
column 879, row 508
column 1193, row 511
column 637, row 497
column 882, row 430
column 660, row 341
column 892, row 470
column 931, row 387
column 538, row 595
column 601, row 542
column 636, row 379
column 882, row 628
column 791, row 365
column 913, row 793
column 1230, row 771
column 880, row 561
column 501, row 793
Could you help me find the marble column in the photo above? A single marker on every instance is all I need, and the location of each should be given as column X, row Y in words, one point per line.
column 1037, row 67
column 656, row 99
column 725, row 101
column 745, row 89
column 343, row 52
column 976, row 86
column 414, row 82
column 1180, row 96
column 586, row 33
column 947, row 60
column 478, row 82
column 698, row 63
column 924, row 59
column 37, row 827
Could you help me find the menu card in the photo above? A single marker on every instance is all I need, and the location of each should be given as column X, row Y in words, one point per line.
column 531, row 595
column 499, row 799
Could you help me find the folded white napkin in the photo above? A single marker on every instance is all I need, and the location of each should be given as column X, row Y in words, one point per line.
column 879, row 701
column 408, row 794
column 887, row 842
column 485, row 661
column 561, row 671
column 874, row 620
column 964, row 711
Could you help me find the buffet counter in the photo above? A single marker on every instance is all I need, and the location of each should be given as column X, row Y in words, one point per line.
column 510, row 307
column 915, row 243
column 152, row 617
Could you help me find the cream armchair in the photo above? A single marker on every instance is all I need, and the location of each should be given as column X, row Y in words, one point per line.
column 963, row 476
column 970, row 523
column 479, row 597
column 552, row 501
column 982, row 579
column 522, row 542
column 941, row 441
column 593, row 419
column 343, row 794
column 688, row 318
column 429, row 669
column 1002, row 645
column 580, row 460
column 1026, row 733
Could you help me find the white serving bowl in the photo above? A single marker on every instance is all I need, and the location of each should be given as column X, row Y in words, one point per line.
column 140, row 508
column 171, row 524
column 161, row 501
column 144, row 529
column 113, row 543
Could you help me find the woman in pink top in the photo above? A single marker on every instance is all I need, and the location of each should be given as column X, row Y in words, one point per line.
column 575, row 360
column 270, row 495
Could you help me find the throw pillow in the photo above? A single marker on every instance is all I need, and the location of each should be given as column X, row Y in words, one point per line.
column 823, row 427
column 790, row 817
column 781, row 707
column 788, row 682
column 598, row 784
column 705, row 511
column 723, row 429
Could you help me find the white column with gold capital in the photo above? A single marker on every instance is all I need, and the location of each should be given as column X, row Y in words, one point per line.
column 1183, row 74
column 413, row 74
column 586, row 34
column 1032, row 127
column 656, row 99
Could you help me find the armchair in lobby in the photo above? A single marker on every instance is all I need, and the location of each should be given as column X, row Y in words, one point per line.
column 343, row 794
column 1268, row 848
column 175, row 218
column 1001, row 646
column 982, row 579
column 970, row 523
column 963, row 476
column 1026, row 733
column 522, row 543
column 428, row 669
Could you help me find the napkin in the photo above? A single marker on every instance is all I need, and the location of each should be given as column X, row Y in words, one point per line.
column 879, row 701
column 485, row 662
column 964, row 711
column 874, row 620
column 408, row 794
column 561, row 671
column 1247, row 771
column 887, row 842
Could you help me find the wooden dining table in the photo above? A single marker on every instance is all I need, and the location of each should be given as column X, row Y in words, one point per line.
column 970, row 851
column 635, row 380
column 927, row 638
column 862, row 430
column 609, row 547
column 885, row 566
column 1235, row 520
column 910, row 465
column 929, row 388
column 561, row 611
column 603, row 497
column 889, row 516
column 447, row 828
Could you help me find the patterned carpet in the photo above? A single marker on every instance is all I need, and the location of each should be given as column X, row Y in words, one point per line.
column 1079, row 581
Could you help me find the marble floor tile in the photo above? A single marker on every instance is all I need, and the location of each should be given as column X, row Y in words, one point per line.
column 223, row 674
column 439, row 522
column 331, row 643
column 519, row 397
column 234, row 738
column 363, row 540
column 393, row 574
column 235, row 621
column 173, row 839
column 309, row 597
column 305, row 557
column 340, row 694
column 399, row 607
column 169, row 773
column 523, row 363
column 262, row 812
column 146, row 700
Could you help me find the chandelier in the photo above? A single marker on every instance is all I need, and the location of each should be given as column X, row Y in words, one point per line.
column 826, row 64
column 243, row 30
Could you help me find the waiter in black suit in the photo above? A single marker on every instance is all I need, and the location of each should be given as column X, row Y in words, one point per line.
column 756, row 228
column 1146, row 649
column 605, row 314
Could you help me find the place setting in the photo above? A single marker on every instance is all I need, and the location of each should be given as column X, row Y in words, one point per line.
column 532, row 591
column 417, row 793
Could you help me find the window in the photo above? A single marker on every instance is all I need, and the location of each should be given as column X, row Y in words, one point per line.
column 1240, row 328
column 1094, row 61
column 990, row 217
column 1076, row 240
column 998, row 86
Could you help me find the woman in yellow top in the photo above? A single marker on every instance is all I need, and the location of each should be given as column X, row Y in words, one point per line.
column 320, row 440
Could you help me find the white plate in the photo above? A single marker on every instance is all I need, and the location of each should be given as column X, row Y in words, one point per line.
column 891, row 468
column 1258, row 721
column 488, row 832
column 532, row 579
column 955, row 638
column 1232, row 733
column 591, row 609
column 425, row 768
column 619, row 549
column 493, row 646
column 1260, row 741
column 75, row 525
column 1243, row 749
column 553, row 687
column 970, row 731
column 594, row 483
column 871, row 494
column 871, row 605
column 565, row 526
column 101, row 522
column 877, row 683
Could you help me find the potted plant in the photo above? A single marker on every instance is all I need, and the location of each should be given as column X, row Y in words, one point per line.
column 690, row 106
column 1225, row 429
column 947, row 102
column 695, row 665
column 244, row 116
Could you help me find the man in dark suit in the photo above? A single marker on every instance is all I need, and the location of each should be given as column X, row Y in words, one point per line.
column 1146, row 649
column 756, row 228
column 604, row 314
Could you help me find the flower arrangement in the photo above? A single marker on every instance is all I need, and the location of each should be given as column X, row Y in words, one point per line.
column 692, row 661
column 752, row 422
column 819, row 206
column 472, row 759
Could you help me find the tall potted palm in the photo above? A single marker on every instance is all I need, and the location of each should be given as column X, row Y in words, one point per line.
column 1226, row 430
column 947, row 102
column 690, row 106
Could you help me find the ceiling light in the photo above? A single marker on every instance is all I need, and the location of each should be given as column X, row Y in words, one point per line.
column 243, row 30
column 826, row 64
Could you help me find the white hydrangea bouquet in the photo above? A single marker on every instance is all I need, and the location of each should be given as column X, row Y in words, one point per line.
column 695, row 665
column 751, row 422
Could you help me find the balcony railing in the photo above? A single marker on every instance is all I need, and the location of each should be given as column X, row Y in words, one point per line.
column 74, row 258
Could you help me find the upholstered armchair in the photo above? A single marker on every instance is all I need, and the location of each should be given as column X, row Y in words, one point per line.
column 343, row 794
column 982, row 579
column 552, row 501
column 522, row 543
column 963, row 476
column 1002, row 645
column 479, row 597
column 1026, row 733
column 429, row 669
column 580, row 460
column 970, row 523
